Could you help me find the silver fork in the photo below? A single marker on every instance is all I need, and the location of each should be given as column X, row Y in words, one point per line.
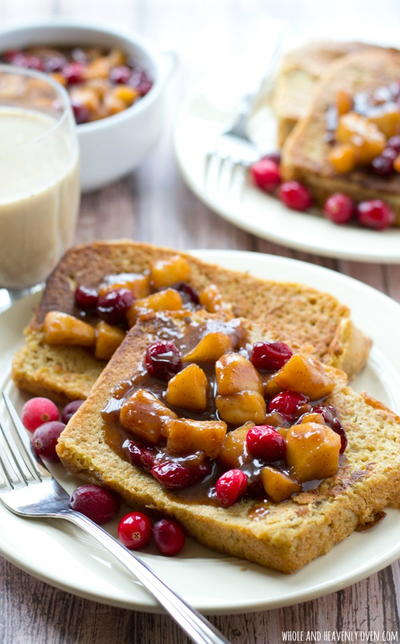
column 29, row 490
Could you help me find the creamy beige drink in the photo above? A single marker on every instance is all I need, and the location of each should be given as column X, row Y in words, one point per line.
column 39, row 195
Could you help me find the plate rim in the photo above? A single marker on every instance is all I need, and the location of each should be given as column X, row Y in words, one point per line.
column 232, row 606
column 245, row 224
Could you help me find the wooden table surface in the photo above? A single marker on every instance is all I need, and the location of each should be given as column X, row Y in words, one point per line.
column 154, row 205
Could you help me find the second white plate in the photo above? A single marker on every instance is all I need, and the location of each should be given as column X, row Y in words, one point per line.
column 204, row 115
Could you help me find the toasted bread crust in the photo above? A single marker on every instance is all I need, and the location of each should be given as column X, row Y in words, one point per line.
column 305, row 153
column 300, row 315
column 291, row 533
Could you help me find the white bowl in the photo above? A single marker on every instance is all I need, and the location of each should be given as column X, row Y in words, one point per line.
column 115, row 145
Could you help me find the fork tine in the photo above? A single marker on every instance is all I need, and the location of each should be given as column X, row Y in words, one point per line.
column 4, row 471
column 23, row 450
column 11, row 451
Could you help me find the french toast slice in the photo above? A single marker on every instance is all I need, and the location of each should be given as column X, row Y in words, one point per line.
column 298, row 77
column 305, row 152
column 285, row 535
column 298, row 313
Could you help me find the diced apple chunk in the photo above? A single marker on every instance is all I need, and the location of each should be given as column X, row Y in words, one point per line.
column 66, row 330
column 137, row 283
column 303, row 375
column 188, row 389
column 167, row 300
column 278, row 485
column 209, row 348
column 312, row 451
column 186, row 436
column 211, row 299
column 237, row 409
column 165, row 272
column 145, row 416
column 234, row 449
column 108, row 339
column 236, row 373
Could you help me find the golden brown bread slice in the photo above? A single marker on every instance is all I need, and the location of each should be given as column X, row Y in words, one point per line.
column 305, row 153
column 284, row 536
column 298, row 77
column 299, row 314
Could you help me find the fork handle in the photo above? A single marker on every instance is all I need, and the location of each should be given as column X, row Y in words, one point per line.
column 199, row 629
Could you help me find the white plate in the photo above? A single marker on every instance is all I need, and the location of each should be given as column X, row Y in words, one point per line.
column 205, row 113
column 67, row 558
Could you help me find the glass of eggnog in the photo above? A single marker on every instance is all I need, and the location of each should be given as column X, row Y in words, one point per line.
column 39, row 170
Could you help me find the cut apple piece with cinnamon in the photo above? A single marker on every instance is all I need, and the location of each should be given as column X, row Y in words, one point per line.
column 165, row 272
column 66, row 330
column 188, row 389
column 237, row 409
column 234, row 452
column 145, row 416
column 278, row 485
column 235, row 373
column 312, row 451
column 108, row 339
column 303, row 375
column 167, row 300
column 186, row 435
column 209, row 348
column 136, row 282
column 211, row 299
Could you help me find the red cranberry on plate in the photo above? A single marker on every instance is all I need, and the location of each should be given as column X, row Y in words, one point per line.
column 139, row 455
column 81, row 112
column 394, row 144
column 134, row 530
column 230, row 487
column 95, row 502
column 70, row 409
column 44, row 439
column 295, row 196
column 175, row 475
column 37, row 411
column 265, row 175
column 266, row 443
column 163, row 360
column 290, row 404
column 73, row 73
column 273, row 156
column 339, row 208
column 113, row 305
column 120, row 74
column 169, row 537
column 188, row 291
column 383, row 164
column 375, row 214
column 86, row 298
column 330, row 416
column 270, row 355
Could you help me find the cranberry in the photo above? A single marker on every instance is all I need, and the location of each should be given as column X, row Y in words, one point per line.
column 10, row 55
column 113, row 305
column 383, row 164
column 265, row 175
column 37, row 411
column 134, row 530
column 53, row 64
column 70, row 409
column 270, row 355
column 81, row 112
column 139, row 455
column 394, row 144
column 273, row 156
column 73, row 73
column 230, row 487
column 375, row 214
column 290, row 404
column 86, row 298
column 169, row 537
column 20, row 59
column 141, row 82
column 339, row 208
column 175, row 475
column 163, row 360
column 189, row 291
column 95, row 502
column 120, row 74
column 330, row 416
column 294, row 195
column 45, row 437
column 264, row 442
